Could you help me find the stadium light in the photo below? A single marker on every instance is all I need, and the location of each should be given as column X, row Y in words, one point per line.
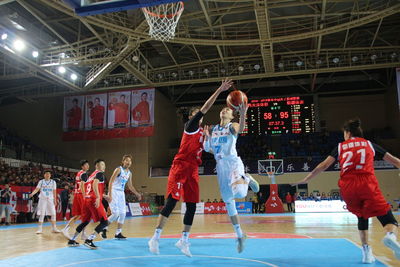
column 299, row 63
column 135, row 58
column 174, row 74
column 223, row 71
column 61, row 70
column 206, row 71
column 74, row 76
column 241, row 68
column 374, row 57
column 280, row 65
column 393, row 55
column 35, row 54
column 19, row 45
column 319, row 62
column 4, row 36
column 257, row 67
column 336, row 60
column 191, row 73
column 354, row 59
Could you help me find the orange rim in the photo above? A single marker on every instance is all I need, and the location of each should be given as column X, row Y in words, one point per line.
column 163, row 16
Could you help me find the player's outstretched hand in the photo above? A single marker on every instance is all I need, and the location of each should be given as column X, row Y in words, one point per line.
column 139, row 196
column 243, row 109
column 207, row 131
column 226, row 84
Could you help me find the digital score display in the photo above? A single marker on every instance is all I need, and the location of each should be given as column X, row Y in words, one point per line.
column 281, row 115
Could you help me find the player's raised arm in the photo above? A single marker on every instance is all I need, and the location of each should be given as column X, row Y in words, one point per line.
column 207, row 139
column 225, row 85
column 320, row 168
column 132, row 188
column 116, row 172
column 392, row 160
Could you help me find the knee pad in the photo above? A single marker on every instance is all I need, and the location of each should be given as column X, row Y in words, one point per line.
column 362, row 224
column 103, row 224
column 388, row 218
column 189, row 214
column 81, row 226
column 231, row 208
column 169, row 207
column 121, row 217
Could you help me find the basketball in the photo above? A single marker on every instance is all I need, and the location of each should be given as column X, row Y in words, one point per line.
column 235, row 98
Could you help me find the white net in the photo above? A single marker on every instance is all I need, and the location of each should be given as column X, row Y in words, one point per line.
column 163, row 19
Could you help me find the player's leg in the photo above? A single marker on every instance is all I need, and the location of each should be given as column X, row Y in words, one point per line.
column 41, row 211
column 367, row 255
column 121, row 215
column 77, row 207
column 51, row 210
column 85, row 219
column 98, row 215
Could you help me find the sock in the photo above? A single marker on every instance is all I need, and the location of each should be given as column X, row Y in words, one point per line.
column 185, row 236
column 92, row 236
column 119, row 230
column 75, row 236
column 157, row 233
column 238, row 230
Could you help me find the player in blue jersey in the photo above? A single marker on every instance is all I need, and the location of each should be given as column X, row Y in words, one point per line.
column 233, row 182
column 116, row 195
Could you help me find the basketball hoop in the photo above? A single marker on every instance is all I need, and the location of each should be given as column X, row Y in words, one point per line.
column 163, row 19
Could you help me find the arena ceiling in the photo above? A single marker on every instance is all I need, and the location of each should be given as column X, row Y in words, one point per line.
column 270, row 47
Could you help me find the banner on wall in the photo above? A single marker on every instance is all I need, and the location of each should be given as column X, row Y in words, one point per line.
column 320, row 206
column 109, row 115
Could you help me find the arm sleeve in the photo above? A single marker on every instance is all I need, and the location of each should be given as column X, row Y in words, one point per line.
column 84, row 177
column 334, row 153
column 193, row 124
column 379, row 151
column 100, row 176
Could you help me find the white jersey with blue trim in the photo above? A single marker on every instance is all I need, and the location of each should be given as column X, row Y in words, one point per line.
column 121, row 179
column 223, row 142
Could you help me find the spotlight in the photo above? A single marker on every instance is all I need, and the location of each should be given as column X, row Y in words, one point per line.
column 62, row 55
column 143, row 66
column 374, row 57
column 223, row 71
column 299, row 63
column 257, row 67
column 174, row 74
column 61, row 70
column 336, row 60
column 354, row 59
column 74, row 76
column 159, row 76
column 318, row 62
column 106, row 82
column 135, row 58
column 4, row 36
column 206, row 71
column 35, row 54
column 119, row 80
column 241, row 68
column 19, row 45
column 280, row 65
column 191, row 73
column 393, row 55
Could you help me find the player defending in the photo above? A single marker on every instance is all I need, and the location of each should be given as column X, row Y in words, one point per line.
column 116, row 188
column 183, row 179
column 47, row 201
column 92, row 190
column 359, row 186
column 233, row 182
column 77, row 205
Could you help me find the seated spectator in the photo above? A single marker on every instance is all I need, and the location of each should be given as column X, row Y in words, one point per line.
column 215, row 200
column 208, row 201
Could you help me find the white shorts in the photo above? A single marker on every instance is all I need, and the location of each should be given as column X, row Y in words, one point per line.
column 229, row 170
column 118, row 204
column 46, row 207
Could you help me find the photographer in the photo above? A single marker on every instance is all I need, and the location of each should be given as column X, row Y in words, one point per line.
column 5, row 203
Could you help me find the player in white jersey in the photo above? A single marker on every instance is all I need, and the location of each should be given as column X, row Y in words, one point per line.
column 47, row 201
column 116, row 194
column 233, row 182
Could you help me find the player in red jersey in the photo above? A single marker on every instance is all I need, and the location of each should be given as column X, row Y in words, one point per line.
column 359, row 186
column 93, row 190
column 183, row 179
column 77, row 205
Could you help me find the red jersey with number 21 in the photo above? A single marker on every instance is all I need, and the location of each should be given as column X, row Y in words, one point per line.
column 89, row 185
column 356, row 156
column 191, row 147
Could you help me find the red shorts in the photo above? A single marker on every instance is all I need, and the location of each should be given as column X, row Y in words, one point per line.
column 77, row 205
column 183, row 181
column 89, row 211
column 363, row 196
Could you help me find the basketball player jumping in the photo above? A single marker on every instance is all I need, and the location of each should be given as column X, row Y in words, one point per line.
column 183, row 179
column 233, row 182
column 77, row 205
column 93, row 190
column 116, row 188
column 47, row 201
column 359, row 186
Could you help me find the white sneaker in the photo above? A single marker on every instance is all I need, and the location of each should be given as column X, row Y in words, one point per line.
column 153, row 246
column 65, row 232
column 55, row 230
column 84, row 236
column 253, row 184
column 390, row 241
column 240, row 245
column 184, row 247
column 39, row 231
column 367, row 256
column 65, row 218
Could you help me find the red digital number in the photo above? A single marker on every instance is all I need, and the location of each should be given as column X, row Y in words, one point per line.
column 284, row 115
column 267, row 116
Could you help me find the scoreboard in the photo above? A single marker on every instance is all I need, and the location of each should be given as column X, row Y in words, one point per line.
column 280, row 115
